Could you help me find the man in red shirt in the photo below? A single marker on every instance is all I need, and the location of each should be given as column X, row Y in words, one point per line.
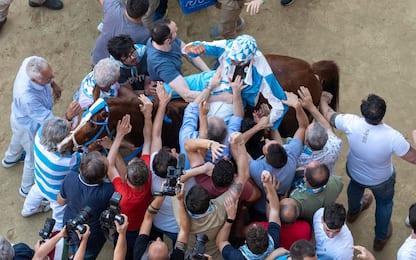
column 134, row 181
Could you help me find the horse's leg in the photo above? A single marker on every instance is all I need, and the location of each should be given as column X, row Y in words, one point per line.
column 328, row 73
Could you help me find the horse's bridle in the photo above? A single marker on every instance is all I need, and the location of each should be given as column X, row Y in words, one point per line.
column 98, row 105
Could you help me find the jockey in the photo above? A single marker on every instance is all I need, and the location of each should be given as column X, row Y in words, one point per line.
column 104, row 75
column 239, row 56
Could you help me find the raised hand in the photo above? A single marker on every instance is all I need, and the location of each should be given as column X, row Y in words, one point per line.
column 305, row 97
column 163, row 97
column 124, row 126
column 292, row 99
column 216, row 150
column 146, row 106
column 230, row 207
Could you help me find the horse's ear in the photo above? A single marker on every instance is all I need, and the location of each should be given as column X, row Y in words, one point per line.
column 96, row 92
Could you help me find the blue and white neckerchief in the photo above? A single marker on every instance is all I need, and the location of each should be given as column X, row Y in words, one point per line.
column 250, row 255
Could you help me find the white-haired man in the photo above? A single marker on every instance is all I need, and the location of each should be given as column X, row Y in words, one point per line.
column 33, row 94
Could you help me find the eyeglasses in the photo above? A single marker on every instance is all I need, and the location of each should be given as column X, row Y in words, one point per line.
column 131, row 56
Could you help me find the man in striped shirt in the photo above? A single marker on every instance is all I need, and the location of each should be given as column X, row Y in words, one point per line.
column 51, row 168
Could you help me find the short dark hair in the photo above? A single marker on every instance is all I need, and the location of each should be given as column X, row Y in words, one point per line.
column 137, row 8
column 311, row 175
column 412, row 216
column 93, row 167
column 197, row 201
column 334, row 215
column 161, row 31
column 120, row 46
column 217, row 131
column 137, row 172
column 302, row 248
column 257, row 239
column 223, row 173
column 373, row 109
column 276, row 156
column 162, row 160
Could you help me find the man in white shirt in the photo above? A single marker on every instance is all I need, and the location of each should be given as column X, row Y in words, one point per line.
column 408, row 248
column 333, row 238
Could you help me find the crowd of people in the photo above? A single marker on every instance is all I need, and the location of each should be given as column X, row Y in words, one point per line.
column 278, row 203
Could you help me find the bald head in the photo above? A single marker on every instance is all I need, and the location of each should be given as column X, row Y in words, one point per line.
column 158, row 251
column 289, row 211
column 316, row 174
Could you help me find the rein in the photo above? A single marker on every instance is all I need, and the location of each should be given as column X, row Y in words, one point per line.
column 98, row 105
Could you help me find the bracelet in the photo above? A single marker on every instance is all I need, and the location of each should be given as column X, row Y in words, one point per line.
column 229, row 220
column 209, row 87
column 66, row 117
column 209, row 144
column 153, row 208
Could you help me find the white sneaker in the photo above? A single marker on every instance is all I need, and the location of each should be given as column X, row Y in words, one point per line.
column 100, row 27
column 41, row 209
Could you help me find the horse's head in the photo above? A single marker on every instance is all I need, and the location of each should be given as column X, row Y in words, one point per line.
column 90, row 127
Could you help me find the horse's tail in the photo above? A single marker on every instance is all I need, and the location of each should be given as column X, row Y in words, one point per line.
column 328, row 73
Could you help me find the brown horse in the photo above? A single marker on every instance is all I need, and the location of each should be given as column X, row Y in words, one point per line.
column 290, row 72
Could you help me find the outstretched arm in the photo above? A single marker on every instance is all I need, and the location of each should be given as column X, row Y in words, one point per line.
column 271, row 185
column 164, row 99
column 121, row 247
column 123, row 128
column 49, row 245
column 184, row 222
column 203, row 169
column 241, row 157
column 146, row 108
column 196, row 61
column 326, row 110
column 307, row 103
column 293, row 101
column 196, row 149
column 151, row 211
column 230, row 204
column 237, row 86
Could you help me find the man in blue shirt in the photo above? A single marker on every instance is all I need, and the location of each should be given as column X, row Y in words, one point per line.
column 33, row 94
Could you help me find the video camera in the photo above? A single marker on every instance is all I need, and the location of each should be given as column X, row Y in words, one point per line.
column 199, row 248
column 108, row 216
column 46, row 231
column 173, row 178
column 78, row 222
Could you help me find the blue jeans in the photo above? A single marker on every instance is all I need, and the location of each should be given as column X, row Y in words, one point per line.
column 383, row 193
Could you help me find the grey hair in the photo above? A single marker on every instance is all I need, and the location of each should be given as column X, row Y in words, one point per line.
column 106, row 72
column 317, row 137
column 34, row 67
column 6, row 249
column 53, row 132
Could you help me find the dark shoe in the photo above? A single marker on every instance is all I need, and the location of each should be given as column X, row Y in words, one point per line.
column 365, row 204
column 51, row 4
column 286, row 2
column 7, row 164
column 378, row 245
column 2, row 23
column 215, row 32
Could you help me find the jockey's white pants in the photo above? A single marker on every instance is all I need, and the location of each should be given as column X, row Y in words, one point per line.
column 32, row 204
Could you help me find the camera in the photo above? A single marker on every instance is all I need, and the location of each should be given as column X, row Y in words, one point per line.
column 108, row 216
column 173, row 178
column 78, row 222
column 46, row 231
column 199, row 248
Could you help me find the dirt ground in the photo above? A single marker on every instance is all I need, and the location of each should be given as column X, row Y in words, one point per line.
column 370, row 41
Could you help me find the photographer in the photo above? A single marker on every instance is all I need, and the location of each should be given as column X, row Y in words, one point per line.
column 87, row 189
column 158, row 249
column 121, row 246
column 133, row 182
column 43, row 248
